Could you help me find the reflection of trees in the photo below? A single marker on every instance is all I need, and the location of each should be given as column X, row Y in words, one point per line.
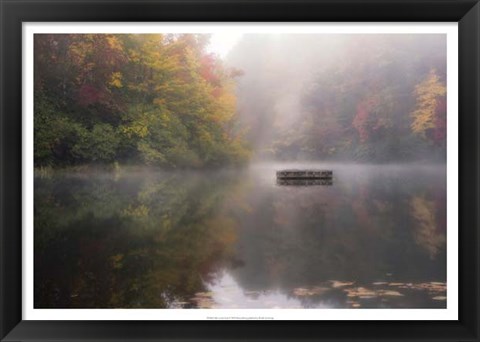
column 146, row 241
column 157, row 240
column 428, row 233
column 360, row 229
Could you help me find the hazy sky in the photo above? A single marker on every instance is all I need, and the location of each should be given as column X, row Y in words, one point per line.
column 222, row 43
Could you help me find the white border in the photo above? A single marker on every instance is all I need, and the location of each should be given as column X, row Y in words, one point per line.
column 450, row 313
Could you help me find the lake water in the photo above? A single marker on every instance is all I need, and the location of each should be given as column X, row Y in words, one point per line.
column 375, row 238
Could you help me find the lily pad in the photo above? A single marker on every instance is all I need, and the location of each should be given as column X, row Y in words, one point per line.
column 336, row 283
column 391, row 293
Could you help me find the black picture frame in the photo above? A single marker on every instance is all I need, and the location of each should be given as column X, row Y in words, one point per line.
column 14, row 12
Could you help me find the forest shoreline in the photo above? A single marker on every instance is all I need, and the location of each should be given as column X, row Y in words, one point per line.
column 116, row 167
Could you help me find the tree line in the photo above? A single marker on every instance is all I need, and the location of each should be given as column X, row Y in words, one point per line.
column 162, row 99
column 362, row 98
column 152, row 98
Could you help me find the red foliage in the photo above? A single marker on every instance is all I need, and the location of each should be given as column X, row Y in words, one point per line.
column 88, row 94
column 207, row 69
column 216, row 92
column 360, row 121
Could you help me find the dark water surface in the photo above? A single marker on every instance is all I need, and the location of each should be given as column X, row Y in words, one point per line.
column 374, row 238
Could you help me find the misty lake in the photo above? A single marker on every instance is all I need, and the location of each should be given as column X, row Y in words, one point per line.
column 144, row 238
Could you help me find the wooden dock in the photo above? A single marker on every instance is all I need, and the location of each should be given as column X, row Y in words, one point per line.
column 305, row 181
column 304, row 174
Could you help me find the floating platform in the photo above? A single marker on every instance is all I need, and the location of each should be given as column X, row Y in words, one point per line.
column 305, row 181
column 304, row 174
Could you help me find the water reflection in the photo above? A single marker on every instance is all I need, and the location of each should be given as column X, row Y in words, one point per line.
column 225, row 293
column 149, row 239
column 304, row 182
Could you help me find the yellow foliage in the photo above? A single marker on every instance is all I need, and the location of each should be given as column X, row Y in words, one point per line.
column 137, row 212
column 426, row 233
column 135, row 129
column 114, row 43
column 428, row 93
column 224, row 229
column 134, row 56
column 227, row 103
column 117, row 261
column 116, row 80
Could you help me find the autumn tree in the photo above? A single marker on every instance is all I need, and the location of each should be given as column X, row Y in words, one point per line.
column 153, row 98
column 342, row 97
column 429, row 114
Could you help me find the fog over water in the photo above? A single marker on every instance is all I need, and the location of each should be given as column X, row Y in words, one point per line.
column 369, row 108
column 233, row 238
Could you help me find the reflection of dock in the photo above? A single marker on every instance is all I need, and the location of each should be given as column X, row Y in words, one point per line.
column 304, row 174
column 305, row 181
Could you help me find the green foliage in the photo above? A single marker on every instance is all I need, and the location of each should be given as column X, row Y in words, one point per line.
column 54, row 133
column 98, row 144
column 44, row 132
column 156, row 99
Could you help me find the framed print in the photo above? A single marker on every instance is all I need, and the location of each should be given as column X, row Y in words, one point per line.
column 239, row 170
